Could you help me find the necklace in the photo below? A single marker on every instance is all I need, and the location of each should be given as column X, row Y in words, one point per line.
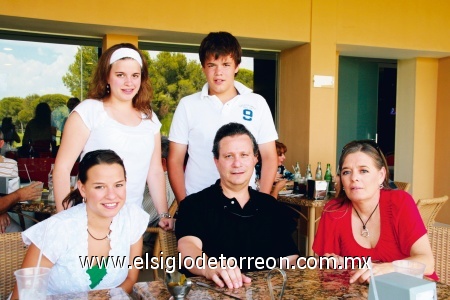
column 106, row 237
column 365, row 231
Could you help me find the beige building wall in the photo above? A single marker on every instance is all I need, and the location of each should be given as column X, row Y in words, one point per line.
column 442, row 161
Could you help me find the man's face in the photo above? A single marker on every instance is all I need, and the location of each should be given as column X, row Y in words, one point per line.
column 220, row 75
column 236, row 161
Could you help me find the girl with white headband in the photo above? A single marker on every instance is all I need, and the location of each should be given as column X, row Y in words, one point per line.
column 117, row 115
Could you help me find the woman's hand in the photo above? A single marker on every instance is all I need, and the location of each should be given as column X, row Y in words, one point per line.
column 279, row 185
column 166, row 223
column 363, row 275
column 279, row 177
column 338, row 259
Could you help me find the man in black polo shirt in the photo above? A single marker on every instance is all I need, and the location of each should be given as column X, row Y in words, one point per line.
column 232, row 223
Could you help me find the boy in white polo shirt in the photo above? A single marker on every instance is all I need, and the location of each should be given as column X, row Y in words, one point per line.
column 199, row 116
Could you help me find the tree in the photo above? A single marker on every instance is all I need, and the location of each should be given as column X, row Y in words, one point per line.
column 172, row 78
column 245, row 77
column 79, row 75
column 10, row 107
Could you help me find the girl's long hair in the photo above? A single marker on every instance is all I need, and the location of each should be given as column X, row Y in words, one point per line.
column 98, row 87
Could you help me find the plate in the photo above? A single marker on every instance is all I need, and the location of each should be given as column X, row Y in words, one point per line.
column 285, row 192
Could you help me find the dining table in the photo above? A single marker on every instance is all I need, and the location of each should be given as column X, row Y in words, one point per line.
column 113, row 294
column 295, row 202
column 303, row 284
column 43, row 206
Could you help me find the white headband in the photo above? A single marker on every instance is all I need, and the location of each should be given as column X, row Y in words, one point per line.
column 125, row 52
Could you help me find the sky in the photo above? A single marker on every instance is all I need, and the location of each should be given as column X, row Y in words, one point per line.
column 37, row 68
column 33, row 68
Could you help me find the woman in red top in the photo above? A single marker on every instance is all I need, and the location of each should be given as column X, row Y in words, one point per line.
column 368, row 219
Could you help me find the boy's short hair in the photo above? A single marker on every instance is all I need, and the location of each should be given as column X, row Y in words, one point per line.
column 219, row 44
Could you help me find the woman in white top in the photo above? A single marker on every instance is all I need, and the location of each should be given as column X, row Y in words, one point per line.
column 76, row 242
column 117, row 116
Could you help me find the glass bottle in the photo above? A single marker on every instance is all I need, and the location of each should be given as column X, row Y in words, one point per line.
column 319, row 171
column 308, row 174
column 297, row 177
column 328, row 177
column 50, row 183
column 30, row 149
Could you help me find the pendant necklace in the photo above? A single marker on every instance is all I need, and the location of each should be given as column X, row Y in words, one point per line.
column 365, row 231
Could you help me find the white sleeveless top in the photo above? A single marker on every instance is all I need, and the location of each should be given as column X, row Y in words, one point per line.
column 134, row 144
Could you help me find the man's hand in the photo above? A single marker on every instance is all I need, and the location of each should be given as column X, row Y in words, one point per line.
column 30, row 192
column 4, row 222
column 231, row 277
column 166, row 223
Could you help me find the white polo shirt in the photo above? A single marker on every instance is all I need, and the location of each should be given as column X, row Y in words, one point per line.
column 199, row 116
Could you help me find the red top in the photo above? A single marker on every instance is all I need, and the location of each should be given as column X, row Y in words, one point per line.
column 401, row 227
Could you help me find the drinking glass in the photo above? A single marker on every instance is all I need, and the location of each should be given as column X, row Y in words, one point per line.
column 32, row 283
column 409, row 267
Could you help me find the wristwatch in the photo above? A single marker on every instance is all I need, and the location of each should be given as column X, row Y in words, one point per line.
column 165, row 215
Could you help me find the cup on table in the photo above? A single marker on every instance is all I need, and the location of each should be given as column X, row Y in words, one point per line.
column 32, row 283
column 39, row 187
column 409, row 267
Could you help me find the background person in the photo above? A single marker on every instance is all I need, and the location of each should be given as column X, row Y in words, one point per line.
column 71, row 104
column 118, row 116
column 38, row 132
column 280, row 179
column 368, row 219
column 8, row 168
column 147, row 203
column 231, row 219
column 99, row 224
column 9, row 135
column 198, row 116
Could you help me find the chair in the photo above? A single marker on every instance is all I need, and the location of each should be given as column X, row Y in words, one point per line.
column 440, row 245
column 22, row 217
column 12, row 252
column 429, row 208
column 36, row 169
column 402, row 185
column 166, row 242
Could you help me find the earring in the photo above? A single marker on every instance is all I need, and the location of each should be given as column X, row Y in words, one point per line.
column 381, row 186
column 84, row 200
column 108, row 88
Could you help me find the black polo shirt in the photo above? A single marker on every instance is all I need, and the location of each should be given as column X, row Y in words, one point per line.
column 262, row 228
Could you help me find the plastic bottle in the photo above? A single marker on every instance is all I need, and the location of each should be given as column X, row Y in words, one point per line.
column 50, row 183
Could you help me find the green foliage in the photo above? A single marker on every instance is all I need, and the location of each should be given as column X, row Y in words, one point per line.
column 245, row 77
column 22, row 109
column 79, row 75
column 172, row 77
column 10, row 107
